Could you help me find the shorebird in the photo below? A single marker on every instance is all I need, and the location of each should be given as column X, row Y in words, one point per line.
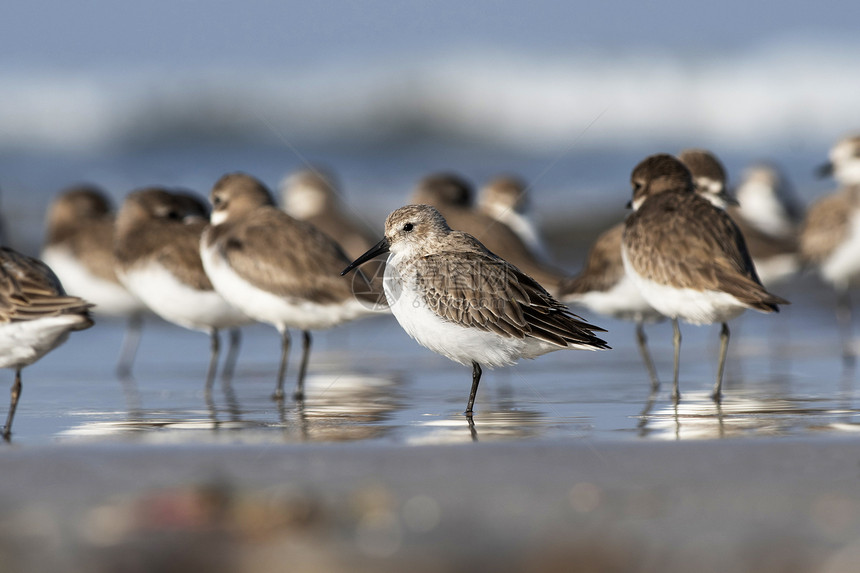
column 770, row 216
column 157, row 253
column 506, row 199
column 313, row 195
column 603, row 287
column 687, row 257
column 830, row 237
column 277, row 269
column 79, row 249
column 36, row 316
column 453, row 197
column 760, row 214
column 458, row 299
column 709, row 176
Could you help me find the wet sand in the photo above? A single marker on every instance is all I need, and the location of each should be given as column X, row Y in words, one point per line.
column 754, row 505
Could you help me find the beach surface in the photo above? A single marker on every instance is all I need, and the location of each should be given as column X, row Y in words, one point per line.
column 546, row 505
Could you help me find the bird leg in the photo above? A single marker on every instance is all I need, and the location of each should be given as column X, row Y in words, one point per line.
column 214, row 351
column 232, row 355
column 476, row 379
column 676, row 341
column 130, row 344
column 13, row 405
column 844, row 319
column 282, row 369
column 303, row 368
column 642, row 341
column 717, row 394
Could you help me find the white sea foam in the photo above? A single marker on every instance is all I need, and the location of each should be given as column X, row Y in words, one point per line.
column 520, row 101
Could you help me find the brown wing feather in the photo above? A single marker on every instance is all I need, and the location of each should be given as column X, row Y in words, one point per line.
column 681, row 240
column 93, row 247
column 603, row 268
column 182, row 254
column 502, row 241
column 29, row 290
column 286, row 257
column 482, row 291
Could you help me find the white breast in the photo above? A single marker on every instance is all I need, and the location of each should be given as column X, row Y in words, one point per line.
column 622, row 301
column 24, row 342
column 456, row 342
column 179, row 303
column 690, row 305
column 110, row 298
column 266, row 307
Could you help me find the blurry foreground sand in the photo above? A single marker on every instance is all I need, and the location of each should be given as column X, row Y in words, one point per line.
column 762, row 506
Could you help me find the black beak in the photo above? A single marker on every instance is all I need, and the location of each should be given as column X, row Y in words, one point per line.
column 629, row 204
column 725, row 196
column 825, row 170
column 379, row 248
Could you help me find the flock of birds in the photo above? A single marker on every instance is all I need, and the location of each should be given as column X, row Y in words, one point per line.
column 472, row 282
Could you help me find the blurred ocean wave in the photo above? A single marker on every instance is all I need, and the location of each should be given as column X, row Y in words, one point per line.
column 515, row 101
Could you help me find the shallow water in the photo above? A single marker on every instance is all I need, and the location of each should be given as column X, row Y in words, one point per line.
column 369, row 382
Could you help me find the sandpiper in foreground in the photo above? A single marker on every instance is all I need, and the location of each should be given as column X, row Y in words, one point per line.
column 687, row 257
column 277, row 269
column 36, row 316
column 458, row 299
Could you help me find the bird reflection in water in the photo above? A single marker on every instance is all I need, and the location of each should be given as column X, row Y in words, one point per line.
column 338, row 407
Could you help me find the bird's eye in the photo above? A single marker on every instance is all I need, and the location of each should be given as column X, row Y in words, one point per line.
column 637, row 186
column 407, row 227
column 216, row 200
column 174, row 215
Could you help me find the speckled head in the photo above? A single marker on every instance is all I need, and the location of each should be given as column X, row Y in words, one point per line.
column 656, row 174
column 235, row 195
column 414, row 228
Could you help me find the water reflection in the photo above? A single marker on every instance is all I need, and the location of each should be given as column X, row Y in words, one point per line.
column 487, row 425
column 337, row 407
column 341, row 407
column 696, row 416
